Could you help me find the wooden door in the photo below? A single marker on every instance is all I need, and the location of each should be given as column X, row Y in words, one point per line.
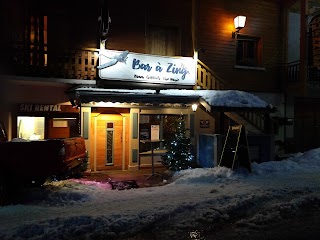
column 109, row 133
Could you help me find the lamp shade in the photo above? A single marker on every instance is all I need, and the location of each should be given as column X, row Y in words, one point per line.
column 194, row 107
column 239, row 22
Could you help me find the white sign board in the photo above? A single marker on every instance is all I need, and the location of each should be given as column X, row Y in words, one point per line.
column 144, row 68
column 155, row 130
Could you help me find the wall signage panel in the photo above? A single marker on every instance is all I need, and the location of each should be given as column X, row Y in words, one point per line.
column 144, row 68
column 204, row 123
column 27, row 107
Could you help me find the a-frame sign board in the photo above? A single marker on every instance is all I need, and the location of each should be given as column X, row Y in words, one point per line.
column 235, row 151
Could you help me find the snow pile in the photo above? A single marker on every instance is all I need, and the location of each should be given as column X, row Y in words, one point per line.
column 196, row 199
column 233, row 98
column 300, row 162
column 203, row 175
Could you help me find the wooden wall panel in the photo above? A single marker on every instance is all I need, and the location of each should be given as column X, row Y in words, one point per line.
column 215, row 27
column 129, row 25
column 73, row 26
column 57, row 132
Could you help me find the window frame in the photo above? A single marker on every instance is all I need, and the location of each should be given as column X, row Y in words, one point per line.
column 157, row 119
column 256, row 62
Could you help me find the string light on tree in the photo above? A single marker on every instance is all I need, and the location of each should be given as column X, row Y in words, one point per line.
column 178, row 155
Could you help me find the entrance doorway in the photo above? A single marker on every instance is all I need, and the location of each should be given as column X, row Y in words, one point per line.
column 108, row 142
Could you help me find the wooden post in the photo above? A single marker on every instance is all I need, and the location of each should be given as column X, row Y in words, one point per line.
column 303, row 51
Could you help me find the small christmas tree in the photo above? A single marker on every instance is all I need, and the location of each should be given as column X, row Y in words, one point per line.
column 178, row 155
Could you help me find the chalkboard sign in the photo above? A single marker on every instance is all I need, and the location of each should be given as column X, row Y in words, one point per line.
column 235, row 151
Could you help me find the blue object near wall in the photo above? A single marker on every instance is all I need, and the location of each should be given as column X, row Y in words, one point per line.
column 209, row 149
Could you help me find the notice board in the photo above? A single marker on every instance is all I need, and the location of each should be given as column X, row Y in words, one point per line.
column 155, row 130
column 235, row 151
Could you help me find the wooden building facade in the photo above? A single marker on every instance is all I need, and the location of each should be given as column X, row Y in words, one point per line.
column 58, row 43
column 249, row 60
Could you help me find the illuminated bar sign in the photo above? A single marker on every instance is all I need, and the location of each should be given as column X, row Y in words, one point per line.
column 144, row 68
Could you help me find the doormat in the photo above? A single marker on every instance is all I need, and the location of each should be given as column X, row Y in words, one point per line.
column 121, row 185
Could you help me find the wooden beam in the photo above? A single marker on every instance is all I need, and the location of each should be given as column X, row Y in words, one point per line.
column 303, row 47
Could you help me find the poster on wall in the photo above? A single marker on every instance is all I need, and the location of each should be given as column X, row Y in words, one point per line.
column 146, row 68
column 155, row 130
column 144, row 119
column 204, row 123
column 144, row 134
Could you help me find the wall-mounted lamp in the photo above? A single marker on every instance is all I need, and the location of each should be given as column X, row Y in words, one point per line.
column 239, row 23
column 194, row 107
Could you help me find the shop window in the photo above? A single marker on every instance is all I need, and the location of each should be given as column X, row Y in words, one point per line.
column 60, row 123
column 157, row 126
column 249, row 51
column 30, row 128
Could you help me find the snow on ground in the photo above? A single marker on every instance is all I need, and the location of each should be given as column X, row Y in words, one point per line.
column 194, row 199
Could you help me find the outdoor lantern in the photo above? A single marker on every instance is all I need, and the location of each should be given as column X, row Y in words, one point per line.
column 239, row 23
column 194, row 107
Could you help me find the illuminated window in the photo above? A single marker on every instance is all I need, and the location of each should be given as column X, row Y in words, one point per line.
column 166, row 125
column 30, row 128
column 249, row 51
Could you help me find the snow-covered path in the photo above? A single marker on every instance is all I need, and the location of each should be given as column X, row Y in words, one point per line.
column 196, row 199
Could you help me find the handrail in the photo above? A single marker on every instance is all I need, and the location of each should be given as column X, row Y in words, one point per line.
column 77, row 64
column 293, row 72
column 261, row 121
column 208, row 79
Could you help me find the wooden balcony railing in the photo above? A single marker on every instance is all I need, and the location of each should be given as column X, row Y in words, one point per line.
column 35, row 60
column 313, row 76
column 261, row 121
column 293, row 72
column 81, row 64
column 207, row 79
column 76, row 64
column 68, row 64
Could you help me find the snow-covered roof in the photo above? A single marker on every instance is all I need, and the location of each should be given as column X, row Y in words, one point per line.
column 215, row 98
